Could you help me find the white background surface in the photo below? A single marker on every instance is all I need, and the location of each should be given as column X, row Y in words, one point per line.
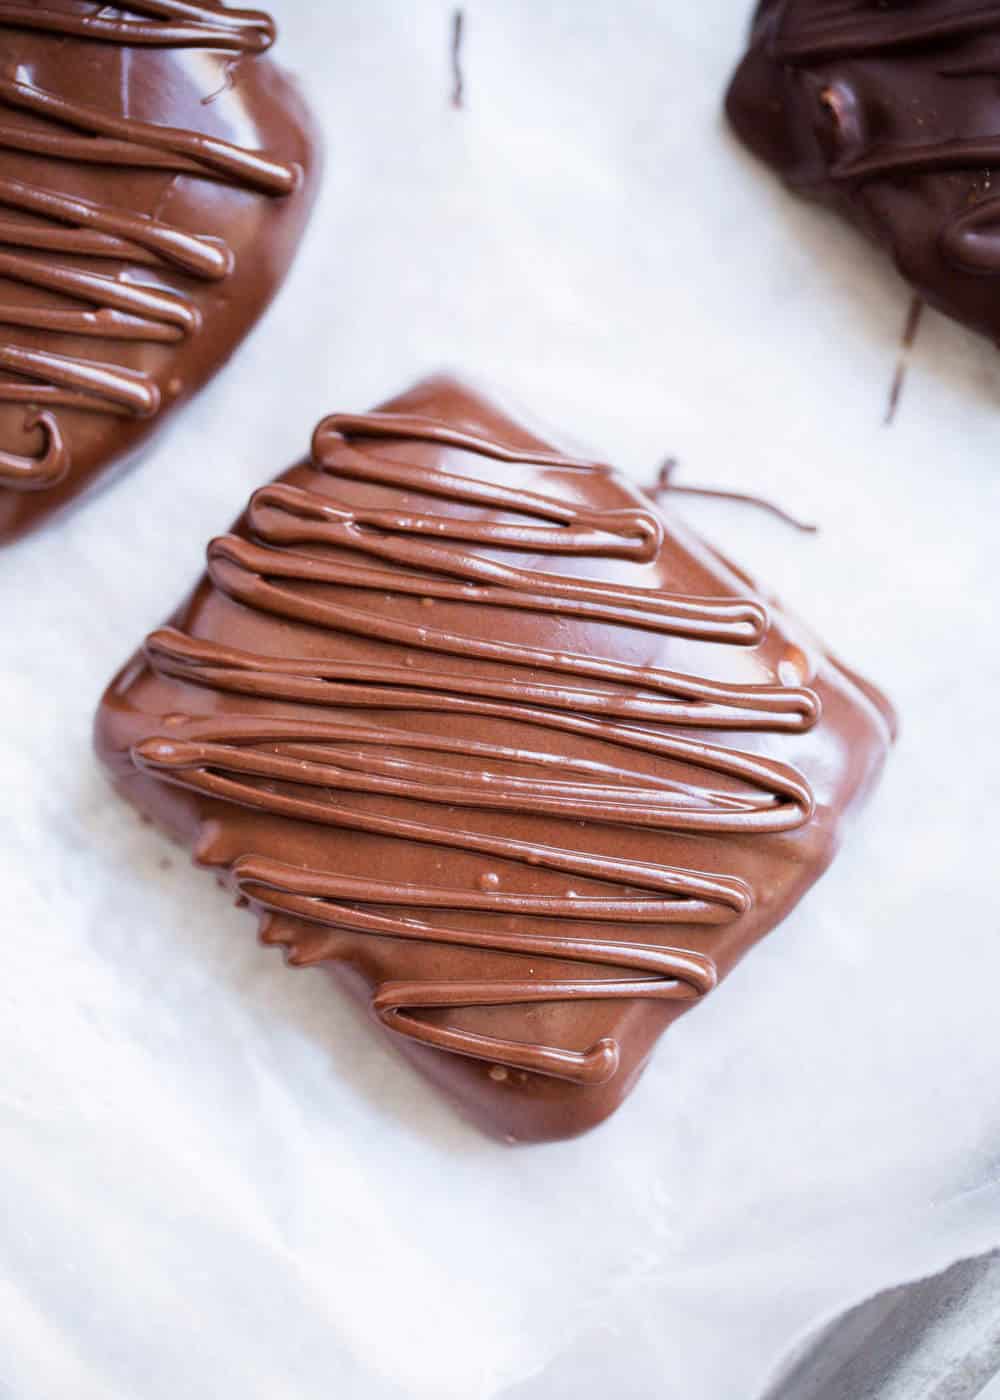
column 216, row 1179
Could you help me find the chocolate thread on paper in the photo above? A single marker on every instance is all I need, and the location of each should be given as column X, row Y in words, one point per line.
column 458, row 80
column 665, row 484
column 911, row 329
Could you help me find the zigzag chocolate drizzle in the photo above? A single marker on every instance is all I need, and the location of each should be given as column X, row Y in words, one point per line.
column 969, row 239
column 61, row 228
column 308, row 548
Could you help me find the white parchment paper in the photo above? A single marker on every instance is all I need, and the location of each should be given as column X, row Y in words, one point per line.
column 217, row 1180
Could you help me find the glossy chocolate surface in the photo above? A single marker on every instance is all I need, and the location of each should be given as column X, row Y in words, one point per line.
column 156, row 172
column 520, row 758
column 891, row 114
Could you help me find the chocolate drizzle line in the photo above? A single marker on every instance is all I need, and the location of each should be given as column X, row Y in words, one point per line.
column 884, row 33
column 185, row 25
column 306, row 550
column 911, row 327
column 457, row 80
column 665, row 484
column 107, row 307
column 969, row 239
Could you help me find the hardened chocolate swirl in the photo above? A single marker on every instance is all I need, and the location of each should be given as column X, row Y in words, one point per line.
column 111, row 307
column 891, row 114
column 408, row 761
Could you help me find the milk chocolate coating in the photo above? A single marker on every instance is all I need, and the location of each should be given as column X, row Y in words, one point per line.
column 524, row 761
column 156, row 172
column 891, row 114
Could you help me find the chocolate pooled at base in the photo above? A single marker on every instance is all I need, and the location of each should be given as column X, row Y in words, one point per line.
column 890, row 114
column 520, row 758
column 156, row 175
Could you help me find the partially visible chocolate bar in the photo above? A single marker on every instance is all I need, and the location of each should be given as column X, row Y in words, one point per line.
column 156, row 175
column 890, row 113
column 525, row 762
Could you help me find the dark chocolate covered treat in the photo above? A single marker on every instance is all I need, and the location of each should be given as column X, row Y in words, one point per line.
column 156, row 172
column 525, row 762
column 890, row 113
